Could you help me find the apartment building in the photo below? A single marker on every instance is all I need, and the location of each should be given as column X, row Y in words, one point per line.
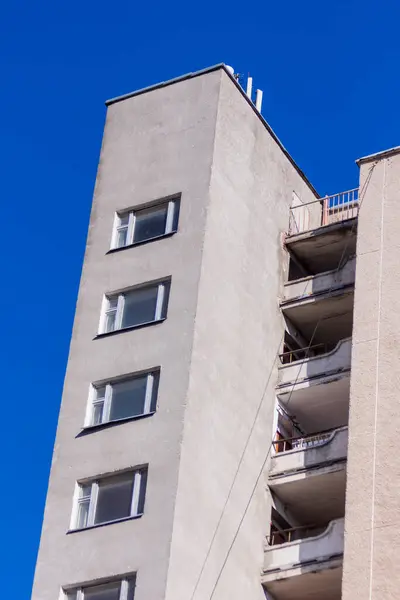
column 229, row 420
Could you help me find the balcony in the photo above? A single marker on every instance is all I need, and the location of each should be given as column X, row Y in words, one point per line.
column 313, row 286
column 324, row 316
column 316, row 389
column 322, row 233
column 302, row 453
column 310, row 479
column 306, row 567
column 324, row 211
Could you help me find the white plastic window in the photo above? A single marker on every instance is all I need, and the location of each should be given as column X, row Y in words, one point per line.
column 145, row 224
column 109, row 499
column 122, row 589
column 123, row 399
column 134, row 307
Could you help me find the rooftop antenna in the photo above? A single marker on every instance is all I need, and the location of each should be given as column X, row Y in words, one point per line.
column 249, row 88
column 249, row 93
column 259, row 97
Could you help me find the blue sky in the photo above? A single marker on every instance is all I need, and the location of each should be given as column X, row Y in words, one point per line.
column 329, row 72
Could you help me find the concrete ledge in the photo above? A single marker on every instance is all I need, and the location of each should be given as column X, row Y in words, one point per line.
column 378, row 155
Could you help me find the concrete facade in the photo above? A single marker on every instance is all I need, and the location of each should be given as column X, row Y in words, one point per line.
column 262, row 276
column 207, row 441
column 372, row 500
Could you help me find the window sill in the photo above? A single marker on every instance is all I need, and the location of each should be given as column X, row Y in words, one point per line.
column 131, row 328
column 131, row 518
column 141, row 243
column 92, row 428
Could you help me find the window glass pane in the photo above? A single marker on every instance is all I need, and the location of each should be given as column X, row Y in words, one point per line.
column 72, row 595
column 124, row 219
column 140, row 306
column 110, row 321
column 150, row 223
column 83, row 511
column 108, row 591
column 97, row 416
column 128, row 398
column 100, row 392
column 122, row 236
column 114, row 498
column 85, row 490
column 112, row 302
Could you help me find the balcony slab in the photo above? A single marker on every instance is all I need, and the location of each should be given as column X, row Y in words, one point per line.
column 308, row 569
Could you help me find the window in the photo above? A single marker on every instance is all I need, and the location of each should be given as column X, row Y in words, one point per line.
column 135, row 307
column 122, row 399
column 109, row 499
column 146, row 223
column 122, row 589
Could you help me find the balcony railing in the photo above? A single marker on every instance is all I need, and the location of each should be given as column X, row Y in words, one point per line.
column 303, row 353
column 285, row 536
column 331, row 209
column 300, row 443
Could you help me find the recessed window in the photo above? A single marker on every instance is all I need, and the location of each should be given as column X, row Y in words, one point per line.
column 123, row 399
column 146, row 223
column 122, row 589
column 109, row 499
column 135, row 307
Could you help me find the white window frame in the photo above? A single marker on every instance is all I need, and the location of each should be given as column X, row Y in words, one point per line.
column 172, row 207
column 94, row 492
column 80, row 591
column 106, row 401
column 119, row 309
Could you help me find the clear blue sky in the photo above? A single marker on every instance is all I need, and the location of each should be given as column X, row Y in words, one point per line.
column 330, row 75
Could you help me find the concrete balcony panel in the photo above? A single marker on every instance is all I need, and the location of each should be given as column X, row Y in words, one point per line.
column 323, row 546
column 311, row 453
column 314, row 285
column 307, row 569
column 330, row 363
column 316, row 391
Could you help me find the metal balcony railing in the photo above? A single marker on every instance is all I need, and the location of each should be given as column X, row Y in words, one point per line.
column 300, row 443
column 331, row 209
column 285, row 536
column 290, row 356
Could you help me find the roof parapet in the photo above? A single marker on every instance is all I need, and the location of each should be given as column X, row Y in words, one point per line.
column 378, row 155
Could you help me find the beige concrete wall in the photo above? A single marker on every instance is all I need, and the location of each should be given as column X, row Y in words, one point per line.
column 372, row 530
column 237, row 334
column 155, row 144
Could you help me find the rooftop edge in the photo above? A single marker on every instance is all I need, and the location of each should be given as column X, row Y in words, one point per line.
column 378, row 155
column 222, row 66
